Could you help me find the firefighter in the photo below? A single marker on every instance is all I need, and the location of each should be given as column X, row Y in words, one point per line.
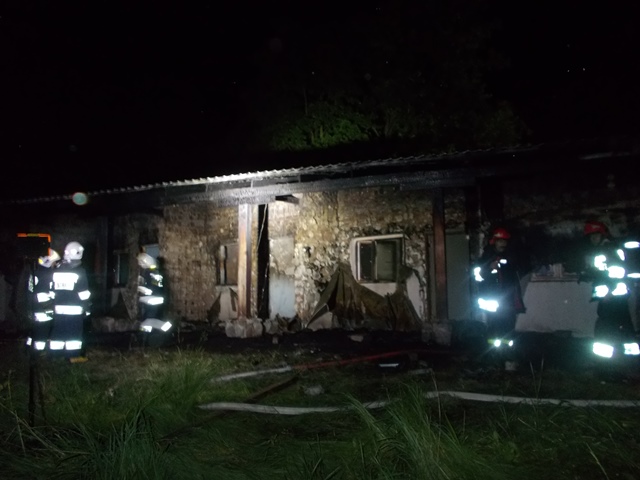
column 41, row 285
column 155, row 329
column 151, row 288
column 71, row 304
column 499, row 296
column 605, row 266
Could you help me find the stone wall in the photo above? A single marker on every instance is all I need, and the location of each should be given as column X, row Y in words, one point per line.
column 317, row 248
column 283, row 219
column 321, row 224
column 190, row 238
column 329, row 221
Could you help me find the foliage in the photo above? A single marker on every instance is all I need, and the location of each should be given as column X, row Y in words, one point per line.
column 382, row 71
column 136, row 415
column 412, row 439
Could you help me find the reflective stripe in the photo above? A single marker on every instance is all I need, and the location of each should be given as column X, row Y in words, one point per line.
column 631, row 349
column 603, row 349
column 44, row 296
column 144, row 290
column 477, row 275
column 154, row 323
column 42, row 317
column 152, row 300
column 65, row 280
column 40, row 345
column 600, row 291
column 500, row 342
column 84, row 295
column 68, row 309
column 488, row 305
column 621, row 289
column 616, row 271
column 600, row 262
column 56, row 345
column 74, row 345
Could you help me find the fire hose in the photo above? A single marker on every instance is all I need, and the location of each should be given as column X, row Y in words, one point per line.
column 479, row 397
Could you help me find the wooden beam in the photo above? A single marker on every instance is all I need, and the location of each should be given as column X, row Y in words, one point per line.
column 473, row 222
column 288, row 199
column 440, row 257
column 244, row 260
column 263, row 261
column 104, row 245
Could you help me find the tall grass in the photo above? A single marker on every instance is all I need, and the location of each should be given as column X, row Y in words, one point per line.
column 414, row 439
column 136, row 416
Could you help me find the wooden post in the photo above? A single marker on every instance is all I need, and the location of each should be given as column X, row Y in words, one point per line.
column 440, row 257
column 244, row 260
column 473, row 221
column 263, row 261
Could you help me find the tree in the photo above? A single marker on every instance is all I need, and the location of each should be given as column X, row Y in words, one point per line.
column 398, row 70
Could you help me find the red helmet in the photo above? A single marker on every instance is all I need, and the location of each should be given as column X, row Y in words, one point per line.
column 593, row 226
column 499, row 233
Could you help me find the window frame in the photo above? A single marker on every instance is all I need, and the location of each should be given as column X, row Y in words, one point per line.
column 355, row 251
column 120, row 268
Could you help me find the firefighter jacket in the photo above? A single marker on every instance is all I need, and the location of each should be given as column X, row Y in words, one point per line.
column 498, row 282
column 151, row 287
column 71, row 289
column 611, row 268
column 43, row 292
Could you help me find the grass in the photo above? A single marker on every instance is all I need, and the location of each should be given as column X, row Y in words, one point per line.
column 136, row 415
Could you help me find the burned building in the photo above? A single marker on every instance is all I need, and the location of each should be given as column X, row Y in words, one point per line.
column 380, row 244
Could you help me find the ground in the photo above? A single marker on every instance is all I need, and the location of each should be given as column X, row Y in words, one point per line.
column 537, row 351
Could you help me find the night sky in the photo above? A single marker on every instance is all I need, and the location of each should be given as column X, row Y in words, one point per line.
column 99, row 94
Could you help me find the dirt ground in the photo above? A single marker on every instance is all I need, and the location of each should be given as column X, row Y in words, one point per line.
column 535, row 350
column 331, row 343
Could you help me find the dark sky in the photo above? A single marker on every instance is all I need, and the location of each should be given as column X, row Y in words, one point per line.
column 109, row 93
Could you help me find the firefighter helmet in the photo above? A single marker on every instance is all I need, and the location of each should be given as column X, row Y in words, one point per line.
column 73, row 251
column 593, row 226
column 499, row 233
column 49, row 260
column 146, row 261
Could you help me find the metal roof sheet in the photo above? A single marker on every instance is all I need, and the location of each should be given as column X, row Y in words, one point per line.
column 292, row 175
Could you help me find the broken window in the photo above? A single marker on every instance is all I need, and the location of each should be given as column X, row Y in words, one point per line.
column 228, row 264
column 378, row 259
column 152, row 249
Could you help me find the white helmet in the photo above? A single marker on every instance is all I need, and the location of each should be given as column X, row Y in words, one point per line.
column 50, row 259
column 146, row 261
column 73, row 251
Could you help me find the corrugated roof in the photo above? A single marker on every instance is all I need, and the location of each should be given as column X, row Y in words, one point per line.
column 293, row 175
